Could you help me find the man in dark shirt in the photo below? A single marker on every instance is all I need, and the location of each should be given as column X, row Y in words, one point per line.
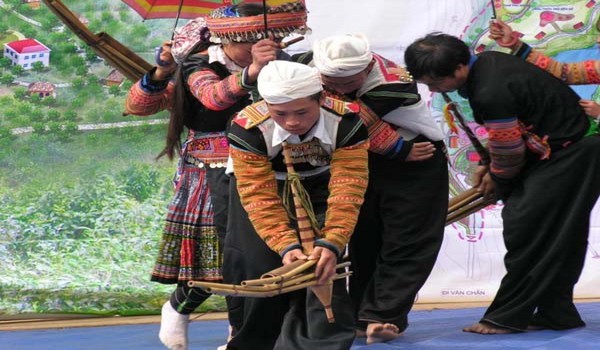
column 401, row 223
column 545, row 166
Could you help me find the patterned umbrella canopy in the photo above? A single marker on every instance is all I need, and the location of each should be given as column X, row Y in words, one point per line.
column 188, row 9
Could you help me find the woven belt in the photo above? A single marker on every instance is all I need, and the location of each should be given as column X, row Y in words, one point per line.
column 210, row 163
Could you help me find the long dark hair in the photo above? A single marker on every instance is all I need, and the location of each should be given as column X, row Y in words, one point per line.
column 182, row 102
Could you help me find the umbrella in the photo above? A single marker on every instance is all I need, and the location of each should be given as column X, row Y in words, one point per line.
column 188, row 9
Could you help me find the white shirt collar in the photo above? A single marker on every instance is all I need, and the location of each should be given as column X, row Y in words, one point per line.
column 318, row 131
column 217, row 54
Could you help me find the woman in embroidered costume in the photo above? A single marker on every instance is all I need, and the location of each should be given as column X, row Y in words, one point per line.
column 538, row 135
column 217, row 60
column 329, row 153
column 401, row 224
column 576, row 73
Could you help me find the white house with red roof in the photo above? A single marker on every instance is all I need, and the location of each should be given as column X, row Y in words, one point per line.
column 27, row 51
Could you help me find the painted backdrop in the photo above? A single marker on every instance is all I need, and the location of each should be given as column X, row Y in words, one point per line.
column 82, row 198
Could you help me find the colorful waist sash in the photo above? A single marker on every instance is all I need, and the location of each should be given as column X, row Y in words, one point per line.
column 206, row 149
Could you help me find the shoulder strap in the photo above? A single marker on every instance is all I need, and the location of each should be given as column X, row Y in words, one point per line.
column 252, row 115
column 339, row 107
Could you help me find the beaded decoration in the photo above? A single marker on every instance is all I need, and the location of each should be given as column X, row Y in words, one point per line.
column 226, row 25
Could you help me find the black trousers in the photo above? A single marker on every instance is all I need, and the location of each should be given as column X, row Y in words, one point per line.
column 546, row 226
column 291, row 321
column 398, row 236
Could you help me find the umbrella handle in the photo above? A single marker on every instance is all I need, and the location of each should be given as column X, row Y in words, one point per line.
column 265, row 18
column 157, row 51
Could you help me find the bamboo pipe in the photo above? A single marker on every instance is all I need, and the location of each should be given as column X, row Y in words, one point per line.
column 299, row 278
column 307, row 235
column 484, row 155
column 462, row 195
column 124, row 59
column 265, row 279
column 282, row 273
column 468, row 210
column 119, row 56
column 235, row 288
column 130, row 56
column 266, row 287
column 227, row 290
column 70, row 20
column 464, row 198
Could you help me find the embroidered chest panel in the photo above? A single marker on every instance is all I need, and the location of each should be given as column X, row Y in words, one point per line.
column 310, row 152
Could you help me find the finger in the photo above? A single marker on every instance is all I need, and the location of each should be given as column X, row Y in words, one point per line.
column 325, row 277
column 477, row 183
column 319, row 270
column 429, row 150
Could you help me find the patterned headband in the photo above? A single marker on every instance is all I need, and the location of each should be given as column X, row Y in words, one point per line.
column 225, row 25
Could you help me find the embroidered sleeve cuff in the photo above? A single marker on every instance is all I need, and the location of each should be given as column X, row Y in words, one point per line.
column 291, row 247
column 153, row 86
column 244, row 80
column 502, row 180
column 401, row 149
column 325, row 244
column 523, row 51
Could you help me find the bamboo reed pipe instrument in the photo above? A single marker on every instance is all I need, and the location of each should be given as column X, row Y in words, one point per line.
column 471, row 200
column 297, row 275
column 132, row 66
column 465, row 204
column 306, row 228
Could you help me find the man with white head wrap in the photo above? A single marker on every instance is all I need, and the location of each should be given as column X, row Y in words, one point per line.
column 329, row 153
column 401, row 223
column 283, row 82
column 343, row 55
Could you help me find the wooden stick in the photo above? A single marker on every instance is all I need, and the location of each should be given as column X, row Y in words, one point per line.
column 291, row 42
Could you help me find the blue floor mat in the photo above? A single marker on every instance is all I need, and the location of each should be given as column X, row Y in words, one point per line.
column 431, row 330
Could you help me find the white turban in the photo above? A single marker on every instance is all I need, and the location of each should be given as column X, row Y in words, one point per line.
column 284, row 81
column 342, row 55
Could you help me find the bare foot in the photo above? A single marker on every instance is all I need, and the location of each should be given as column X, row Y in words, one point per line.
column 485, row 328
column 381, row 332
